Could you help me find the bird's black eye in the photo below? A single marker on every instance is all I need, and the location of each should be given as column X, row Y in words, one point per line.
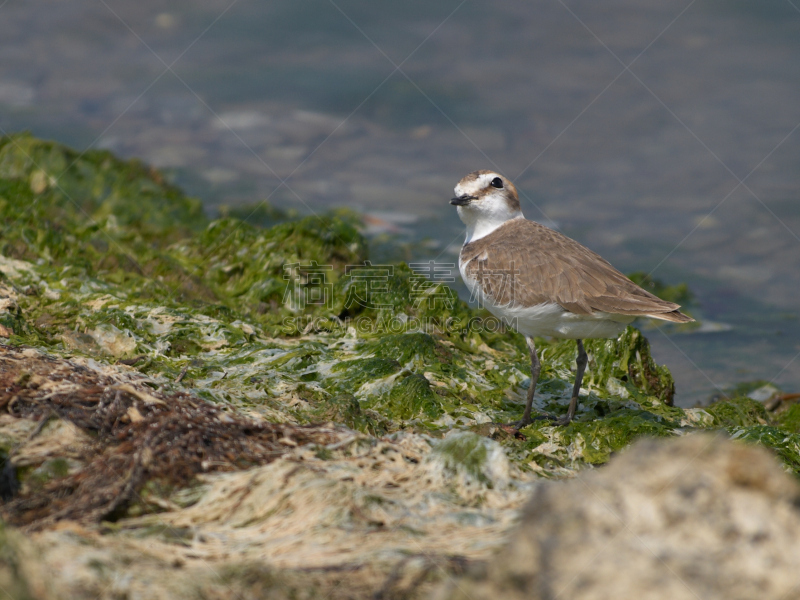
column 497, row 183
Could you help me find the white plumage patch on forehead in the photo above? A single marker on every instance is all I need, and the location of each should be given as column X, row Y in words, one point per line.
column 472, row 184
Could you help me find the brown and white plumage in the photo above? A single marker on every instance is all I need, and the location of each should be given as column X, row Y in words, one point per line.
column 550, row 267
column 541, row 282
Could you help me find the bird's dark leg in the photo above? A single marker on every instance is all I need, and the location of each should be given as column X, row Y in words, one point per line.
column 582, row 359
column 536, row 367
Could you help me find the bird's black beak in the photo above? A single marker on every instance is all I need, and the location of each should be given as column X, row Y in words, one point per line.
column 462, row 200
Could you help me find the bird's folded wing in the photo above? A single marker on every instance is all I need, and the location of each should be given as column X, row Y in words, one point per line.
column 528, row 264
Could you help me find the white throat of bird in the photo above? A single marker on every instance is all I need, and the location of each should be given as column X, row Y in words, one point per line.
column 483, row 216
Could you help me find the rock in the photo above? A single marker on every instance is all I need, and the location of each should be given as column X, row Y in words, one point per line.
column 338, row 521
column 695, row 517
column 22, row 573
column 471, row 460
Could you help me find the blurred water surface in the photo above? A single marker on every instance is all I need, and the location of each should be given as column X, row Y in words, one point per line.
column 662, row 134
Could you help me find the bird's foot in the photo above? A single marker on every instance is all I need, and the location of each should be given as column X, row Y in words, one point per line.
column 565, row 420
column 517, row 425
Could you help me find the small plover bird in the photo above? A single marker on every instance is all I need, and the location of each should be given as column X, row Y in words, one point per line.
column 541, row 282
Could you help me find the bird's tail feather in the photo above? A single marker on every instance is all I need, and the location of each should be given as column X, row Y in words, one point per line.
column 674, row 316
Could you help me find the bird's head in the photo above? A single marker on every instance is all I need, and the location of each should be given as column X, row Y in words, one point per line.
column 485, row 200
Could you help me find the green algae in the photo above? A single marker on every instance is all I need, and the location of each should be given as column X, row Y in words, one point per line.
column 106, row 260
column 345, row 409
column 418, row 347
column 790, row 419
column 739, row 411
column 624, row 365
column 602, row 437
column 413, row 398
column 50, row 469
column 92, row 186
column 352, row 374
column 785, row 444
column 269, row 275
column 465, row 452
column 262, row 214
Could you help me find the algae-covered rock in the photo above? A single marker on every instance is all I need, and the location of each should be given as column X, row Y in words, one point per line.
column 413, row 397
column 419, row 347
column 346, row 410
column 471, row 459
column 374, row 389
column 288, row 321
column 738, row 411
column 291, row 269
column 220, row 302
column 71, row 188
column 790, row 418
column 623, row 365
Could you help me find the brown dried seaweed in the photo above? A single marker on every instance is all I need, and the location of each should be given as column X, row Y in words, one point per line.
column 138, row 435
